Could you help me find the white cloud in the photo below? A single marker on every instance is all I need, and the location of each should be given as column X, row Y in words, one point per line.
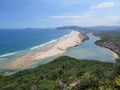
column 103, row 5
column 65, row 17
column 88, row 20
column 70, row 16
column 113, row 19
column 107, row 20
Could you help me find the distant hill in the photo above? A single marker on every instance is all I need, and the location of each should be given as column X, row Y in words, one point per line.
column 91, row 28
column 104, row 27
column 74, row 28
column 70, row 27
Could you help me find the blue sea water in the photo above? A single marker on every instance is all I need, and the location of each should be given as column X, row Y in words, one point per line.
column 15, row 42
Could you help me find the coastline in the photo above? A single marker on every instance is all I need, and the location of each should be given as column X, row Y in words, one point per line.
column 115, row 55
column 50, row 50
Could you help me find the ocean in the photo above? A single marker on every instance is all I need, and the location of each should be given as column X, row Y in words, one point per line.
column 15, row 43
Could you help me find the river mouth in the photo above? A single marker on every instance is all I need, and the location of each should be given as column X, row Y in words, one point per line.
column 86, row 51
column 90, row 51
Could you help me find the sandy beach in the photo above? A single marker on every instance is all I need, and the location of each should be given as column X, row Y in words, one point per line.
column 49, row 50
column 115, row 55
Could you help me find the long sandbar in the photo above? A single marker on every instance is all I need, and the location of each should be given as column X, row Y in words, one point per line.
column 49, row 50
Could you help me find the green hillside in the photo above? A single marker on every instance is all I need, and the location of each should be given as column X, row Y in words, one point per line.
column 65, row 73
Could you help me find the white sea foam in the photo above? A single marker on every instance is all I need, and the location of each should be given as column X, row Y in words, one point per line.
column 39, row 46
column 42, row 45
column 33, row 48
column 9, row 54
column 4, row 55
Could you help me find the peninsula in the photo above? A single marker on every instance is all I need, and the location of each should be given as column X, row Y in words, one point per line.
column 50, row 50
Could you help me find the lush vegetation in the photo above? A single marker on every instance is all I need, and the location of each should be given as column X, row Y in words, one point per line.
column 65, row 73
column 111, row 40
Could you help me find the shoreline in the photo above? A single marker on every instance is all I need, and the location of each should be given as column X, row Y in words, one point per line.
column 50, row 50
column 115, row 55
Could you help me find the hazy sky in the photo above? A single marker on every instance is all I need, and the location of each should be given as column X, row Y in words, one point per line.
column 53, row 13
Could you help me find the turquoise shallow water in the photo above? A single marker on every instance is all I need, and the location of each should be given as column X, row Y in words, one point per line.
column 89, row 50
